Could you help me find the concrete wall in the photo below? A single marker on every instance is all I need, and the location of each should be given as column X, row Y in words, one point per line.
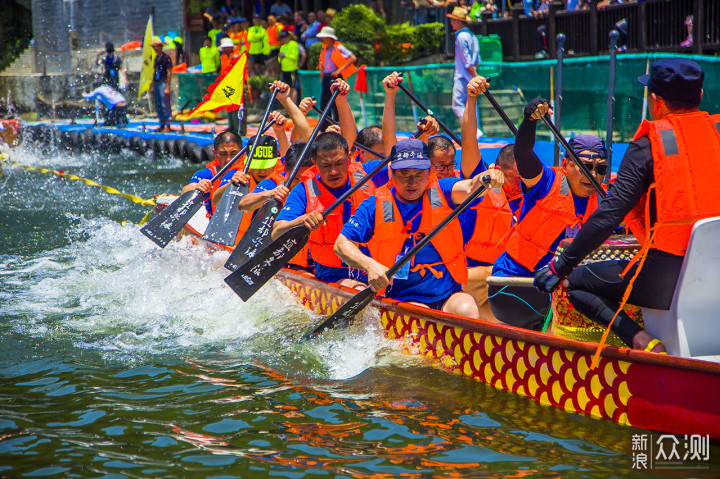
column 63, row 26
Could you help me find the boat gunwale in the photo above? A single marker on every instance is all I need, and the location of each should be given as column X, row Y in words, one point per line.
column 497, row 329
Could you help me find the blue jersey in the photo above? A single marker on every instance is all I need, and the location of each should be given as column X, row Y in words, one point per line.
column 421, row 285
column 296, row 206
column 204, row 174
column 505, row 265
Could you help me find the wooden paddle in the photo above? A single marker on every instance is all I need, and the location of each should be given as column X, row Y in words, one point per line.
column 166, row 225
column 357, row 303
column 258, row 270
column 257, row 236
column 226, row 219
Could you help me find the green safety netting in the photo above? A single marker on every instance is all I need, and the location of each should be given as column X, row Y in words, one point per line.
column 585, row 90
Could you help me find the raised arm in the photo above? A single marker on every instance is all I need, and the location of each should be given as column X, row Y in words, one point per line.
column 470, row 155
column 464, row 188
column 528, row 164
column 390, row 84
column 279, row 129
column 348, row 127
column 300, row 123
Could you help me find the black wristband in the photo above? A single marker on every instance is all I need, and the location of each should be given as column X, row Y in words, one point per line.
column 532, row 106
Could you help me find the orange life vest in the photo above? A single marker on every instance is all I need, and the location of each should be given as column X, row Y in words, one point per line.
column 272, row 33
column 493, row 221
column 531, row 238
column 227, row 62
column 337, row 59
column 389, row 236
column 686, row 164
column 322, row 240
column 214, row 167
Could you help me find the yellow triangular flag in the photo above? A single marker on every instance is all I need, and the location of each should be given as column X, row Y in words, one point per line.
column 228, row 92
column 148, row 55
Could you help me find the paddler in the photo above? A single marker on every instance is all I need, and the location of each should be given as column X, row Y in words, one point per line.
column 226, row 146
column 262, row 166
column 397, row 217
column 486, row 224
column 274, row 187
column 556, row 203
column 667, row 181
column 305, row 203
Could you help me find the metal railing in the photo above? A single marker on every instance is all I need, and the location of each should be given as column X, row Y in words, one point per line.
column 649, row 26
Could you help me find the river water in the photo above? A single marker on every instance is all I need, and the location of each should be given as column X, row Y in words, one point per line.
column 121, row 359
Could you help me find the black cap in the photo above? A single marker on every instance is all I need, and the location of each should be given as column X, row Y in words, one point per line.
column 675, row 79
column 284, row 34
column 109, row 47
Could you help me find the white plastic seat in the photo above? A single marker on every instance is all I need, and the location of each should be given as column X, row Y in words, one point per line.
column 690, row 328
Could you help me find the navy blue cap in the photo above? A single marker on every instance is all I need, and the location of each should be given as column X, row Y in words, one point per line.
column 410, row 153
column 675, row 79
column 588, row 142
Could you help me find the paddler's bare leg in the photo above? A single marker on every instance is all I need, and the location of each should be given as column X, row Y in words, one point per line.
column 351, row 283
column 477, row 287
column 462, row 304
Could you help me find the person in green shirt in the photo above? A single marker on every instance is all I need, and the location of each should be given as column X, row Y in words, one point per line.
column 215, row 32
column 259, row 46
column 209, row 57
column 288, row 56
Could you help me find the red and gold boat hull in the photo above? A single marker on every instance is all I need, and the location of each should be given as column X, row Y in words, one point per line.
column 635, row 388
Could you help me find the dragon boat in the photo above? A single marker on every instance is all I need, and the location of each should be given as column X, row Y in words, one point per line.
column 661, row 392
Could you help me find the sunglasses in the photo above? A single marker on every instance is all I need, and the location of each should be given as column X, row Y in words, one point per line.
column 598, row 168
column 449, row 167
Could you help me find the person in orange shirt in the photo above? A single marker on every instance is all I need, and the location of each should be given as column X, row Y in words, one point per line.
column 273, row 32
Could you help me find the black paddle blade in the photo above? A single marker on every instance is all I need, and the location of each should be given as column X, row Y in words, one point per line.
column 165, row 226
column 224, row 224
column 257, row 271
column 256, row 237
column 343, row 316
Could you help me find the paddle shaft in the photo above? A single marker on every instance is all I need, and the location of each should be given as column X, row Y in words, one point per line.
column 355, row 144
column 573, row 156
column 614, row 35
column 518, row 281
column 262, row 125
column 428, row 111
column 342, row 198
column 501, row 112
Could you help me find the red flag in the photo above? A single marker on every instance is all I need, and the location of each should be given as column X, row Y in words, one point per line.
column 361, row 80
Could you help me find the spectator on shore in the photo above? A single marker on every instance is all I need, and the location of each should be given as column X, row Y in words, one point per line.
column 215, row 32
column 467, row 57
column 289, row 56
column 259, row 47
column 300, row 23
column 323, row 19
column 160, row 86
column 111, row 66
column 280, row 8
column 209, row 57
column 274, row 28
column 335, row 61
column 313, row 28
column 212, row 14
column 261, row 8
